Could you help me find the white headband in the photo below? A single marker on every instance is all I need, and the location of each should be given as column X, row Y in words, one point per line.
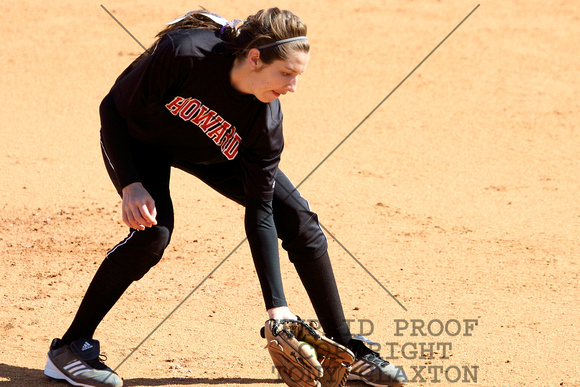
column 281, row 42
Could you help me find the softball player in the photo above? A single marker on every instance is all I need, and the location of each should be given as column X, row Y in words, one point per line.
column 204, row 99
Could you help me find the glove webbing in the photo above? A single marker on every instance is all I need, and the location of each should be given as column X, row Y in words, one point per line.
column 310, row 329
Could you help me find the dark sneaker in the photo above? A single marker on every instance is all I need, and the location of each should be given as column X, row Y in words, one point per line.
column 79, row 364
column 370, row 368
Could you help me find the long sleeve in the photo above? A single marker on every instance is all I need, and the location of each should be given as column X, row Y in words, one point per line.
column 142, row 86
column 263, row 240
column 115, row 142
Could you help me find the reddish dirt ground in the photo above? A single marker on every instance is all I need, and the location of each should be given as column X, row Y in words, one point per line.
column 459, row 194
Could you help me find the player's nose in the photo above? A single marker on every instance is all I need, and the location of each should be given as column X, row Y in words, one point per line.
column 292, row 85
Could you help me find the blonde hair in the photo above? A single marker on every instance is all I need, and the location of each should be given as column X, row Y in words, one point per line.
column 264, row 27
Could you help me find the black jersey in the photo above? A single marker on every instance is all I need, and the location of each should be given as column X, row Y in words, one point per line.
column 180, row 99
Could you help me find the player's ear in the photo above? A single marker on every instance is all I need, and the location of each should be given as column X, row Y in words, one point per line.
column 254, row 60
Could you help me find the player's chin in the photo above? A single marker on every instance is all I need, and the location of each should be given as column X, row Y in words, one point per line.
column 269, row 97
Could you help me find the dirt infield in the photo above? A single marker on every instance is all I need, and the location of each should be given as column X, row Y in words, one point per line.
column 453, row 211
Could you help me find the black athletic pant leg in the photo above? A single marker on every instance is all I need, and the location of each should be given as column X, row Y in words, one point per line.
column 129, row 260
column 307, row 248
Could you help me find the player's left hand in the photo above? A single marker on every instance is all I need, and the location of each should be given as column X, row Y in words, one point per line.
column 281, row 313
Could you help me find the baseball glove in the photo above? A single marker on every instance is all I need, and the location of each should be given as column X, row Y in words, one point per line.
column 297, row 366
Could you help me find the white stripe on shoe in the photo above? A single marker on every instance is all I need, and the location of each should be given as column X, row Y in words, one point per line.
column 72, row 365
column 78, row 370
column 362, row 369
column 53, row 372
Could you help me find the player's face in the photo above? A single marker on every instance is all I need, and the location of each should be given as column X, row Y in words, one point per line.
column 279, row 77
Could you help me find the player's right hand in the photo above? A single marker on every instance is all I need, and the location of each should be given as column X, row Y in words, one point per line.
column 139, row 209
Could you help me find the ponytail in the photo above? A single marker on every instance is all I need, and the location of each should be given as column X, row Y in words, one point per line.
column 276, row 33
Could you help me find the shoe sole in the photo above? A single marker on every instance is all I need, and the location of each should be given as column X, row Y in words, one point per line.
column 354, row 378
column 53, row 372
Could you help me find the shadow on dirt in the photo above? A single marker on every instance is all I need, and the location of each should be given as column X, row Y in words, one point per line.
column 11, row 375
column 138, row 382
column 20, row 376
